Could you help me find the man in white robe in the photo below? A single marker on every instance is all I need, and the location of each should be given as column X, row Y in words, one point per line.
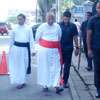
column 19, row 54
column 48, row 36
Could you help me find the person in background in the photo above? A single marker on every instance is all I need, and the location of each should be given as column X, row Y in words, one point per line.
column 77, row 23
column 19, row 53
column 93, row 44
column 48, row 37
column 69, row 33
column 84, row 37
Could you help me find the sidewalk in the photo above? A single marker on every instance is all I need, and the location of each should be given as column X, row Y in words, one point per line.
column 83, row 83
column 31, row 92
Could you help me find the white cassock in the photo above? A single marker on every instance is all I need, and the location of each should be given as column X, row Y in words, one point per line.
column 18, row 56
column 48, row 59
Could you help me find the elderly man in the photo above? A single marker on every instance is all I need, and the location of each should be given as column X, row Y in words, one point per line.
column 48, row 36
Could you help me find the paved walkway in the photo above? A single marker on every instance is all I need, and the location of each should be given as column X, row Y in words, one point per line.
column 31, row 92
column 84, row 82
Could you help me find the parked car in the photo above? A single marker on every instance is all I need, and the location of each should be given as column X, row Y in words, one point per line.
column 34, row 29
column 3, row 28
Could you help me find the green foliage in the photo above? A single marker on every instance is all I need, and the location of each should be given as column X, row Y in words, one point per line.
column 12, row 19
column 78, row 2
column 51, row 1
column 93, row 0
column 45, row 6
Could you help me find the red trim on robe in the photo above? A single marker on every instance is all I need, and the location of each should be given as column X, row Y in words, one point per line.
column 52, row 44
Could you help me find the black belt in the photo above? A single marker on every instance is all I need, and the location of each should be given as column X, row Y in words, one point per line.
column 27, row 44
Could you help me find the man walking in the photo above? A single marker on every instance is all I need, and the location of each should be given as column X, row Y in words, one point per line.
column 93, row 43
column 48, row 37
column 84, row 37
column 69, row 32
column 19, row 53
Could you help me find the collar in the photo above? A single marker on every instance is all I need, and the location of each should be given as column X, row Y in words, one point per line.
column 66, row 24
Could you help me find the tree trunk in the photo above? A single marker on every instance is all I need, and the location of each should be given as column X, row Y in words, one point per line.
column 45, row 6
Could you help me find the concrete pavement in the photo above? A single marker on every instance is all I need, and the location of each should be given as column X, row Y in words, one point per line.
column 82, row 81
column 31, row 92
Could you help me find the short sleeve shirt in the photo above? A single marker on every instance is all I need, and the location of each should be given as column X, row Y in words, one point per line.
column 94, row 26
column 84, row 30
column 68, row 32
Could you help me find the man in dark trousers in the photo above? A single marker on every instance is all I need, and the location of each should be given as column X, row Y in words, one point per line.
column 69, row 32
column 84, row 36
column 93, row 43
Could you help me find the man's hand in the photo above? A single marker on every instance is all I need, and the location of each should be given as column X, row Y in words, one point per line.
column 77, row 51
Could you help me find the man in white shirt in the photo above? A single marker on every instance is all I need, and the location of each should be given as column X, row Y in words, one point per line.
column 19, row 53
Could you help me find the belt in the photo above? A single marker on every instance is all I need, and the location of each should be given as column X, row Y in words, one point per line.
column 27, row 45
column 52, row 44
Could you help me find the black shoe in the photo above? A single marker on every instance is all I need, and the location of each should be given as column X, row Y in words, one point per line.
column 24, row 85
column 20, row 86
column 65, row 86
column 45, row 89
column 97, row 95
column 59, row 90
column 88, row 69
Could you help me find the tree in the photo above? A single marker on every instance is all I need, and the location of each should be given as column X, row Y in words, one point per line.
column 78, row 2
column 12, row 19
column 45, row 6
column 93, row 0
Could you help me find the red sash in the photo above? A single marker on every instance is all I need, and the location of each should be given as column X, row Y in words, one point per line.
column 52, row 44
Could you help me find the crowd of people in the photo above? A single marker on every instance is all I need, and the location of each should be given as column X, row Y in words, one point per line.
column 56, row 46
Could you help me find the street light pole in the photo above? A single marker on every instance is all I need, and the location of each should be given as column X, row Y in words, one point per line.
column 36, row 11
column 58, row 10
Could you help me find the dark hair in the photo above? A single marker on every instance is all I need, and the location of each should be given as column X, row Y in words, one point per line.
column 75, row 20
column 94, row 7
column 67, row 14
column 22, row 15
column 90, row 13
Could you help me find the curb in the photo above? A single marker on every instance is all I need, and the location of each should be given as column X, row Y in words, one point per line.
column 73, row 90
